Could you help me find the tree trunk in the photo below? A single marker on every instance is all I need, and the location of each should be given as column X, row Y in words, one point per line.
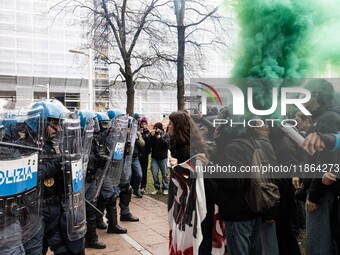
column 130, row 90
column 180, row 67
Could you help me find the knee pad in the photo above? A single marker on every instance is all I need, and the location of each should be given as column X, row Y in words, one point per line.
column 126, row 189
column 113, row 198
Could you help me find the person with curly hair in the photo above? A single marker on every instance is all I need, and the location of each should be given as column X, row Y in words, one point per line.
column 185, row 193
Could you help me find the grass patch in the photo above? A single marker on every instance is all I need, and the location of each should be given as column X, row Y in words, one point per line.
column 150, row 187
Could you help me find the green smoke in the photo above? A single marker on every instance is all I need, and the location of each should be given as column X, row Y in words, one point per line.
column 273, row 39
column 285, row 39
column 325, row 38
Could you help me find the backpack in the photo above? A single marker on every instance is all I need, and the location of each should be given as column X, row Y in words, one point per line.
column 262, row 194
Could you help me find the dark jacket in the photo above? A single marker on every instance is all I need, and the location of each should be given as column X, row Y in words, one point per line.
column 231, row 202
column 145, row 151
column 160, row 147
column 326, row 121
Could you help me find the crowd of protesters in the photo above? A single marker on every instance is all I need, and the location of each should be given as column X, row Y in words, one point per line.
column 309, row 201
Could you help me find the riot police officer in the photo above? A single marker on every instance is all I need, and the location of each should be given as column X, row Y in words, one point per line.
column 108, row 193
column 121, row 190
column 89, row 125
column 125, row 193
column 23, row 209
column 53, row 232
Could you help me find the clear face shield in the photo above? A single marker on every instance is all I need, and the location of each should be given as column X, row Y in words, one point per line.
column 104, row 125
column 54, row 129
column 96, row 127
column 2, row 132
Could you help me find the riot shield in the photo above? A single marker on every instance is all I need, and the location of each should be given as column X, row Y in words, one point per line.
column 106, row 143
column 116, row 165
column 130, row 145
column 20, row 180
column 87, row 141
column 74, row 178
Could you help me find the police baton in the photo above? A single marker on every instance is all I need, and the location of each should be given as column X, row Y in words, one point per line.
column 93, row 206
column 21, row 146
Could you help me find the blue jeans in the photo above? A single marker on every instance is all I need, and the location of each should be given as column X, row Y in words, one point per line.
column 161, row 164
column 136, row 177
column 318, row 227
column 269, row 239
column 243, row 237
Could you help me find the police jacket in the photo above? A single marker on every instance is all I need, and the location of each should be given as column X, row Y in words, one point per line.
column 92, row 164
column 52, row 173
column 100, row 151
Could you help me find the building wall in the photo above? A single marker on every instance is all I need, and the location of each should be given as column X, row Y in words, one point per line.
column 34, row 40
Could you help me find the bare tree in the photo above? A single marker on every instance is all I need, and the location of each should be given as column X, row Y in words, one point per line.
column 123, row 34
column 198, row 26
column 139, row 38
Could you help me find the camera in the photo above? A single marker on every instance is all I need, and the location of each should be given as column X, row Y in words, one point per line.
column 146, row 131
column 157, row 132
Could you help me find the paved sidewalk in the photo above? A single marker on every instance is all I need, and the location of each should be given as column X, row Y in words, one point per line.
column 146, row 237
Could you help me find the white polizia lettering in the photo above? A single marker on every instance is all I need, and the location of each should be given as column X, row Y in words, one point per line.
column 16, row 175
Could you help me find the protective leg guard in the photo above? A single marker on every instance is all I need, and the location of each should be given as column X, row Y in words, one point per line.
column 91, row 237
column 111, row 216
column 91, row 223
column 125, row 195
column 101, row 204
column 124, row 201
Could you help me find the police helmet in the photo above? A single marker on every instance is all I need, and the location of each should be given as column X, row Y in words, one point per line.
column 61, row 106
column 85, row 115
column 49, row 112
column 136, row 115
column 113, row 113
column 102, row 118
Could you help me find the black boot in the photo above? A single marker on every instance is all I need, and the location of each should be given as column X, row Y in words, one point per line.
column 129, row 217
column 116, row 229
column 124, row 202
column 95, row 244
column 111, row 215
column 138, row 194
column 91, row 237
column 101, row 204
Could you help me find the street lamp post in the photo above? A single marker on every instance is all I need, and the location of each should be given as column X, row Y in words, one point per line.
column 48, row 91
column 90, row 78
